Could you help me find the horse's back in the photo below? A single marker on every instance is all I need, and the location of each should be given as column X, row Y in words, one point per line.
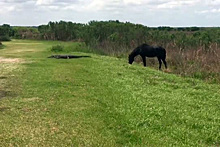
column 149, row 51
column 153, row 51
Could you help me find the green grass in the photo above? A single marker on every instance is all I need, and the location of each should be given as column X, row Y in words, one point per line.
column 101, row 101
column 1, row 46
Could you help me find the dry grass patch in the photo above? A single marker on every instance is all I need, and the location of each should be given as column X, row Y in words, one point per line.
column 11, row 60
column 28, row 43
column 8, row 68
column 31, row 99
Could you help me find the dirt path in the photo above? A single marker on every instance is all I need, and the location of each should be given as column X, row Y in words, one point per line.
column 8, row 67
column 11, row 60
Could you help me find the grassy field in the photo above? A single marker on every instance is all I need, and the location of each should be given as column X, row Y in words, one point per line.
column 99, row 101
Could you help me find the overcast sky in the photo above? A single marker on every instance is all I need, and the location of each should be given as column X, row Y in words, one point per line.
column 146, row 12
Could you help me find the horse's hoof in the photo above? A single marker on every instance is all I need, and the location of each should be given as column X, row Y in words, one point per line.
column 167, row 70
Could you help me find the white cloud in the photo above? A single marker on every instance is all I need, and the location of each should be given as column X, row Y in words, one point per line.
column 44, row 2
column 177, row 3
column 209, row 11
column 213, row 2
column 133, row 1
column 14, row 1
column 7, row 9
column 53, row 7
column 96, row 5
column 148, row 12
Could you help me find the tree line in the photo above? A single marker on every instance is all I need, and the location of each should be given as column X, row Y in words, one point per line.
column 116, row 34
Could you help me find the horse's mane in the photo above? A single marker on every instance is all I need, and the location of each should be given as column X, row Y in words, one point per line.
column 134, row 52
column 144, row 44
column 137, row 49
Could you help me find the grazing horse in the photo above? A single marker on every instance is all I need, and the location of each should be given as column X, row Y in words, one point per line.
column 145, row 50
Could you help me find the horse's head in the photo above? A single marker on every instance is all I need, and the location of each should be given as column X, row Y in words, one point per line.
column 130, row 59
column 133, row 54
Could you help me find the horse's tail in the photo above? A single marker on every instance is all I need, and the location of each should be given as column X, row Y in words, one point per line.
column 163, row 52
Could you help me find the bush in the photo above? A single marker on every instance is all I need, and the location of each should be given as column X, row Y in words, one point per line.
column 1, row 46
column 5, row 38
column 57, row 48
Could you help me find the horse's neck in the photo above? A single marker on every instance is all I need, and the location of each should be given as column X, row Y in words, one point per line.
column 136, row 52
column 134, row 55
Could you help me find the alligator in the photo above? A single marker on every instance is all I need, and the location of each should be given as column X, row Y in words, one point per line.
column 67, row 56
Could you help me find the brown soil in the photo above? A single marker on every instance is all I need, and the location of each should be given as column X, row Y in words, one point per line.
column 10, row 60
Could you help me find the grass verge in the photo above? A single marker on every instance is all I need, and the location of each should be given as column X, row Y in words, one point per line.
column 103, row 101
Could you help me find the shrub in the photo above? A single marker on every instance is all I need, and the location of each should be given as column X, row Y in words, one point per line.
column 5, row 38
column 57, row 48
column 1, row 46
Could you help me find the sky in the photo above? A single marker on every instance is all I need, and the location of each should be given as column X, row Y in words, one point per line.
column 152, row 13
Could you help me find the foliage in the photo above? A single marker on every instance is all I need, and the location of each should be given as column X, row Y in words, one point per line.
column 101, row 34
column 1, row 46
column 61, row 31
column 26, row 33
column 5, row 38
column 57, row 48
column 5, row 32
column 68, row 47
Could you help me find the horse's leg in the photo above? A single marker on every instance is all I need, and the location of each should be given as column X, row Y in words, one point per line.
column 144, row 60
column 165, row 63
column 160, row 62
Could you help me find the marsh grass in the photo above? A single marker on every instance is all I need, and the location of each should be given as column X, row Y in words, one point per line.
column 103, row 101
column 196, row 63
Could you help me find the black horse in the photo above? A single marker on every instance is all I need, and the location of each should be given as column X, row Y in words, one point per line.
column 145, row 50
